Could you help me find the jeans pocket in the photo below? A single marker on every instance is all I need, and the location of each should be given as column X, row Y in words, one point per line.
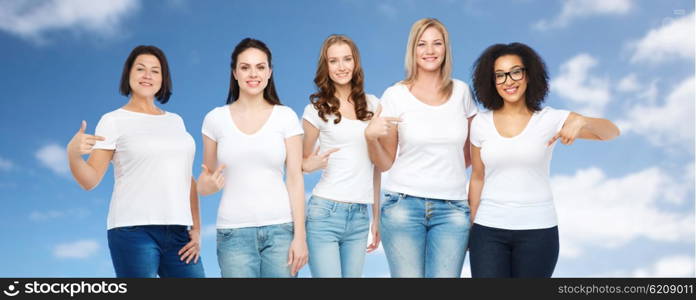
column 390, row 200
column 459, row 205
column 225, row 233
column 288, row 227
column 316, row 211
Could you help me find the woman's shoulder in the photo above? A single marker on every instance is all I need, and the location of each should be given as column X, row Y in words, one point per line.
column 285, row 111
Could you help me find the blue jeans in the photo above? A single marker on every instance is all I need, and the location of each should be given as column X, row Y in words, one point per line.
column 513, row 253
column 336, row 237
column 424, row 237
column 255, row 252
column 151, row 250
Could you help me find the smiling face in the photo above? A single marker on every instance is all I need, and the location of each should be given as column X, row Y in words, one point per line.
column 510, row 90
column 252, row 71
column 341, row 63
column 145, row 77
column 430, row 50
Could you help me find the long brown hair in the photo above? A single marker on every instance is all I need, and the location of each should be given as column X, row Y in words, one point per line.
column 324, row 99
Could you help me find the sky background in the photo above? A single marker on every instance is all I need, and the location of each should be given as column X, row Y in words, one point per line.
column 625, row 207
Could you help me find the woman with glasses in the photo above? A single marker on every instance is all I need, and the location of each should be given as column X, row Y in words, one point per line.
column 515, row 231
column 425, row 214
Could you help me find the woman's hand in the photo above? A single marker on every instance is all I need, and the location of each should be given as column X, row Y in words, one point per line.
column 376, row 238
column 211, row 182
column 82, row 143
column 298, row 255
column 192, row 250
column 316, row 161
column 571, row 129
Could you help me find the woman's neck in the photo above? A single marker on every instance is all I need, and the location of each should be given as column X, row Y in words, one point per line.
column 251, row 102
column 144, row 104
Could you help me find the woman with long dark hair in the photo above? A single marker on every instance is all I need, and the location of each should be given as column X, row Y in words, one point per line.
column 256, row 140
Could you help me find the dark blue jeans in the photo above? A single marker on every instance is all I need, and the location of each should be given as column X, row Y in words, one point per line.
column 503, row 253
column 151, row 250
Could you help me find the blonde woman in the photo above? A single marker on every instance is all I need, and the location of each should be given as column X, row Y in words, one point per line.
column 425, row 213
column 337, row 218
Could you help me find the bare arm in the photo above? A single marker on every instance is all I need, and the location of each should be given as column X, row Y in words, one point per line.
column 578, row 126
column 476, row 181
column 376, row 191
column 467, row 145
column 87, row 174
column 192, row 249
column 210, row 182
column 311, row 159
column 382, row 140
column 294, row 183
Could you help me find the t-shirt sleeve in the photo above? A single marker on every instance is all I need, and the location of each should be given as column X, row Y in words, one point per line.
column 470, row 108
column 475, row 131
column 387, row 102
column 312, row 116
column 292, row 123
column 210, row 127
column 106, row 128
column 559, row 118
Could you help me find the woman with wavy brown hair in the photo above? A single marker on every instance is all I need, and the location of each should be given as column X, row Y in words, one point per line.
column 337, row 217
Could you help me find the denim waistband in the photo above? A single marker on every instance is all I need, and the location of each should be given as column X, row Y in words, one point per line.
column 338, row 205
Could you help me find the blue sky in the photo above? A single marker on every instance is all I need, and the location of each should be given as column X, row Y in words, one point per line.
column 626, row 207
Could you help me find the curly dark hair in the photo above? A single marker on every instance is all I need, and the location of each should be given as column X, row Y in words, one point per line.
column 324, row 100
column 483, row 76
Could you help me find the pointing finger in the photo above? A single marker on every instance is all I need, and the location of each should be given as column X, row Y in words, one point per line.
column 327, row 153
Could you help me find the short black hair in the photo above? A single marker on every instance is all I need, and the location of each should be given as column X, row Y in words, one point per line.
column 483, row 77
column 269, row 93
column 165, row 90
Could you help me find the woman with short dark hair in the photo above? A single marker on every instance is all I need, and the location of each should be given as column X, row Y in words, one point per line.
column 515, row 232
column 153, row 223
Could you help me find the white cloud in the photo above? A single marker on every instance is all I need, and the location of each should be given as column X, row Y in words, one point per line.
column 32, row 19
column 674, row 40
column 575, row 9
column 596, row 211
column 629, row 83
column 668, row 266
column 6, row 164
column 40, row 216
column 671, row 266
column 77, row 249
column 671, row 123
column 589, row 93
column 53, row 157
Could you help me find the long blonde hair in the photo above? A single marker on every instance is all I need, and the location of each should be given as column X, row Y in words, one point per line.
column 410, row 58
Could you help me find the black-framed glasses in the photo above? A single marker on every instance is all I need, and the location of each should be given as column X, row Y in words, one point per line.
column 515, row 74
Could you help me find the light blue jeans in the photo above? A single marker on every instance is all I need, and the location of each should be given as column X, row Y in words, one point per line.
column 336, row 237
column 255, row 252
column 424, row 237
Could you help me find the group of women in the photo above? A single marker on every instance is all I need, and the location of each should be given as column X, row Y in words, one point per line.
column 426, row 130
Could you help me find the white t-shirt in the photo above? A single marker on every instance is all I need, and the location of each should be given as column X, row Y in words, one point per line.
column 348, row 174
column 516, row 191
column 254, row 193
column 430, row 158
column 153, row 159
